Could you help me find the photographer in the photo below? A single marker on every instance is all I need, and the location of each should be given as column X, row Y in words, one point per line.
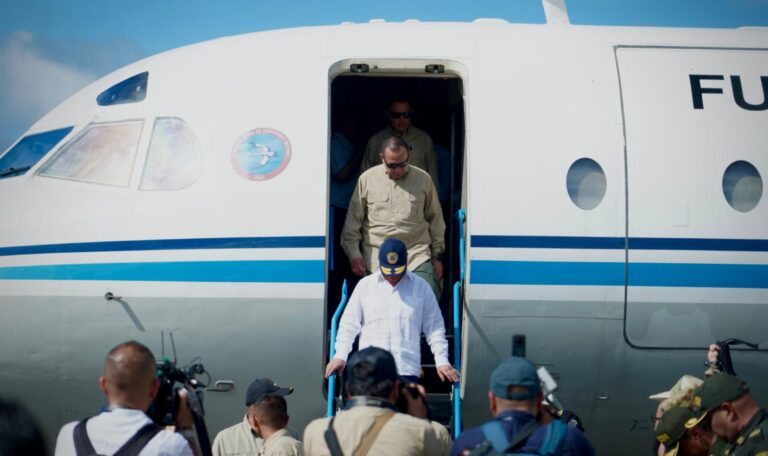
column 515, row 400
column 370, row 422
column 130, row 384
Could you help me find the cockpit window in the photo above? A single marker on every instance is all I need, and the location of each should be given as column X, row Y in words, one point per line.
column 173, row 160
column 27, row 152
column 102, row 154
column 132, row 90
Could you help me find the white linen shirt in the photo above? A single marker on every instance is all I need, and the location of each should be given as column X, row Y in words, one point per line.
column 393, row 318
column 108, row 431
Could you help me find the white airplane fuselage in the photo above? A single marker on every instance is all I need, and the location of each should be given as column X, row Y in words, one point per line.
column 619, row 276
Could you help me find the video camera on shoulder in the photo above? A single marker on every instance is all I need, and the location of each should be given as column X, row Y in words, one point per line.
column 165, row 407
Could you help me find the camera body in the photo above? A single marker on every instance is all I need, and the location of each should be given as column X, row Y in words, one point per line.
column 165, row 407
column 402, row 401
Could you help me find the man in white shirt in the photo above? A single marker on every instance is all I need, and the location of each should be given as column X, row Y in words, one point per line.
column 130, row 384
column 390, row 310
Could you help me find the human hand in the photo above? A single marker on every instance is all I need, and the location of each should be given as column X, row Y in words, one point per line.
column 447, row 372
column 713, row 355
column 184, row 418
column 438, row 265
column 415, row 398
column 334, row 365
column 358, row 266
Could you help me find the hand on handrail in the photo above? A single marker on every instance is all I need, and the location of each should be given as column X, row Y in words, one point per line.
column 333, row 366
column 448, row 373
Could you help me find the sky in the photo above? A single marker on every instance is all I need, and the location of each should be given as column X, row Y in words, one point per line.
column 49, row 49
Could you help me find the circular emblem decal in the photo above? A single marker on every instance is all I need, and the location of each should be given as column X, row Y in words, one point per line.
column 392, row 257
column 261, row 154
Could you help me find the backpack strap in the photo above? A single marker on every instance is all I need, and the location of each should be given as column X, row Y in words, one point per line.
column 494, row 433
column 522, row 435
column 134, row 445
column 373, row 432
column 83, row 445
column 140, row 439
column 332, row 440
column 554, row 438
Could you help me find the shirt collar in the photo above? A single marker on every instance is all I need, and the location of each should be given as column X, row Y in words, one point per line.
column 400, row 135
column 380, row 279
column 247, row 427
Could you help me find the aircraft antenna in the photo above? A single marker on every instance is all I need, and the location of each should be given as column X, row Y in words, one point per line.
column 173, row 346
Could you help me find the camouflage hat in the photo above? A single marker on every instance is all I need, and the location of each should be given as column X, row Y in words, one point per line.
column 680, row 389
column 671, row 428
column 713, row 392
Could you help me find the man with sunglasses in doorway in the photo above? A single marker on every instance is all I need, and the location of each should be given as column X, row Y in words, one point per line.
column 422, row 153
column 395, row 199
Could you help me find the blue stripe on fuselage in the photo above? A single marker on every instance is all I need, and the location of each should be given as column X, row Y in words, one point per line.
column 613, row 274
column 620, row 243
column 274, row 242
column 281, row 271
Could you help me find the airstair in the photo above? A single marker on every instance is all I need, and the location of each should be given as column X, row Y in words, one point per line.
column 444, row 399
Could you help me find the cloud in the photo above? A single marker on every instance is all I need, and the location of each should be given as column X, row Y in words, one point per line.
column 37, row 74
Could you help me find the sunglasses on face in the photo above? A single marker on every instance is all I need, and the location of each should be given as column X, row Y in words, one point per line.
column 397, row 115
column 402, row 164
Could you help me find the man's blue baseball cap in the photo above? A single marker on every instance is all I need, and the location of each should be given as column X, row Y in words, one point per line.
column 515, row 371
column 393, row 257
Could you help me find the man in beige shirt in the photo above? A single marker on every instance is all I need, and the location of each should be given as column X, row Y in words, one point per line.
column 394, row 199
column 244, row 438
column 370, row 419
column 400, row 116
column 270, row 418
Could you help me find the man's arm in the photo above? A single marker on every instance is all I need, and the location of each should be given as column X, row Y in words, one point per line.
column 431, row 157
column 350, row 234
column 371, row 156
column 434, row 329
column 433, row 214
column 349, row 328
column 342, row 170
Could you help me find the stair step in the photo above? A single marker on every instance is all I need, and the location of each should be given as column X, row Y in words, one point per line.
column 440, row 407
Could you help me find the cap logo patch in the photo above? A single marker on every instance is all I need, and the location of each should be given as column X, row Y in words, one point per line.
column 392, row 257
column 663, row 438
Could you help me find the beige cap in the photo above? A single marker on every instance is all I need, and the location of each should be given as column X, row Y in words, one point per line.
column 679, row 390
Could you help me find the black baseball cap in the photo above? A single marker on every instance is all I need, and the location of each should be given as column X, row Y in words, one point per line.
column 264, row 387
column 370, row 366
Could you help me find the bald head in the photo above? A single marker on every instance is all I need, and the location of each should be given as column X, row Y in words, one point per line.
column 129, row 375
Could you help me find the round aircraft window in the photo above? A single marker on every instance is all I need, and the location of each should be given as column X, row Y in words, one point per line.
column 742, row 186
column 586, row 183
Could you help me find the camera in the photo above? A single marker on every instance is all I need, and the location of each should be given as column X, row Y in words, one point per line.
column 413, row 392
column 165, row 407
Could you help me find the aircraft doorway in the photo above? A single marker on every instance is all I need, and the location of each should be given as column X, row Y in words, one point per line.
column 358, row 103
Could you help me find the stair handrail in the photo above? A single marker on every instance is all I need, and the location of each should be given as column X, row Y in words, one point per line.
column 456, row 328
column 456, row 361
column 334, row 330
column 462, row 259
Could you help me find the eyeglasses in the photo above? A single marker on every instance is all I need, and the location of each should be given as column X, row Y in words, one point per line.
column 402, row 164
column 397, row 115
